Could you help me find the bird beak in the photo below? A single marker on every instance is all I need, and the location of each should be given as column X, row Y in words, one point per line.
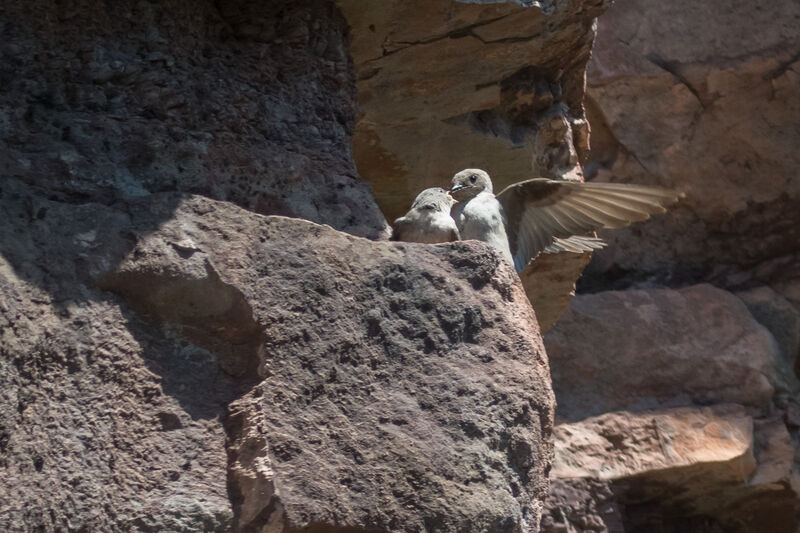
column 457, row 187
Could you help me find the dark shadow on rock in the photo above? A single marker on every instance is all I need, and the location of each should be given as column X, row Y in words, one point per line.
column 105, row 109
column 71, row 252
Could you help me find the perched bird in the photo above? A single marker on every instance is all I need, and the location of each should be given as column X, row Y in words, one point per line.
column 428, row 220
column 542, row 215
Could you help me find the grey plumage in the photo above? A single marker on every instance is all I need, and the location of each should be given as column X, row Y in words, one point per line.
column 429, row 219
column 542, row 215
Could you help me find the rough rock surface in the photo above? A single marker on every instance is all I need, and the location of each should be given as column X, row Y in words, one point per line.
column 623, row 463
column 153, row 323
column 407, row 390
column 703, row 97
column 109, row 422
column 714, row 446
column 781, row 318
column 660, row 347
column 245, row 102
column 648, row 471
column 582, row 505
column 446, row 85
column 402, row 391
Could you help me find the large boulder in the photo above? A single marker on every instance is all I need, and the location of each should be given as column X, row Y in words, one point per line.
column 407, row 389
column 686, row 469
column 625, row 463
column 674, row 449
column 172, row 360
column 640, row 349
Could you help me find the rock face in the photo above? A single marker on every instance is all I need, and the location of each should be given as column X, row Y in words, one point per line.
column 704, row 98
column 447, row 85
column 636, row 450
column 702, row 321
column 407, row 390
column 395, row 396
column 245, row 102
column 109, row 421
column 618, row 350
column 173, row 360
column 666, row 447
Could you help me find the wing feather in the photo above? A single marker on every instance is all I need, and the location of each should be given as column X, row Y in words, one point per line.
column 575, row 244
column 552, row 216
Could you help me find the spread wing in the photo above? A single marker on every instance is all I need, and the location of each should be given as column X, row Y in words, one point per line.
column 551, row 215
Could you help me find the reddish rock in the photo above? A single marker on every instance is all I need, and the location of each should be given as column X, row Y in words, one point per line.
column 702, row 97
column 142, row 312
column 686, row 468
column 407, row 390
column 407, row 387
column 486, row 84
column 678, row 449
column 659, row 347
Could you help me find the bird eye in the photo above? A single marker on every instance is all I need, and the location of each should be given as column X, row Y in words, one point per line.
column 473, row 178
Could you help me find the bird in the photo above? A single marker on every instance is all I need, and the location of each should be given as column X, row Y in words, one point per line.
column 429, row 219
column 547, row 216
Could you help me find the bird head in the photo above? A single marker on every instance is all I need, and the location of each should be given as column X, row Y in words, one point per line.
column 469, row 182
column 436, row 199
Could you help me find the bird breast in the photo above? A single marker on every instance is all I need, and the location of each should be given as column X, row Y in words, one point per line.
column 431, row 227
column 482, row 218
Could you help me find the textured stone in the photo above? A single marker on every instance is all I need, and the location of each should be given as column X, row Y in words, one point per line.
column 138, row 303
column 580, row 505
column 715, row 446
column 253, row 103
column 449, row 85
column 686, row 469
column 639, row 349
column 782, row 319
column 407, row 390
column 702, row 97
column 775, row 453
column 766, row 501
column 107, row 422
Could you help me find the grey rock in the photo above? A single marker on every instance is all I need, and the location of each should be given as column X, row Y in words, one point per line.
column 782, row 319
column 405, row 391
column 105, row 105
column 408, row 389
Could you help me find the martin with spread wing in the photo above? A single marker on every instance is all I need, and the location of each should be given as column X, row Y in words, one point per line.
column 542, row 215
